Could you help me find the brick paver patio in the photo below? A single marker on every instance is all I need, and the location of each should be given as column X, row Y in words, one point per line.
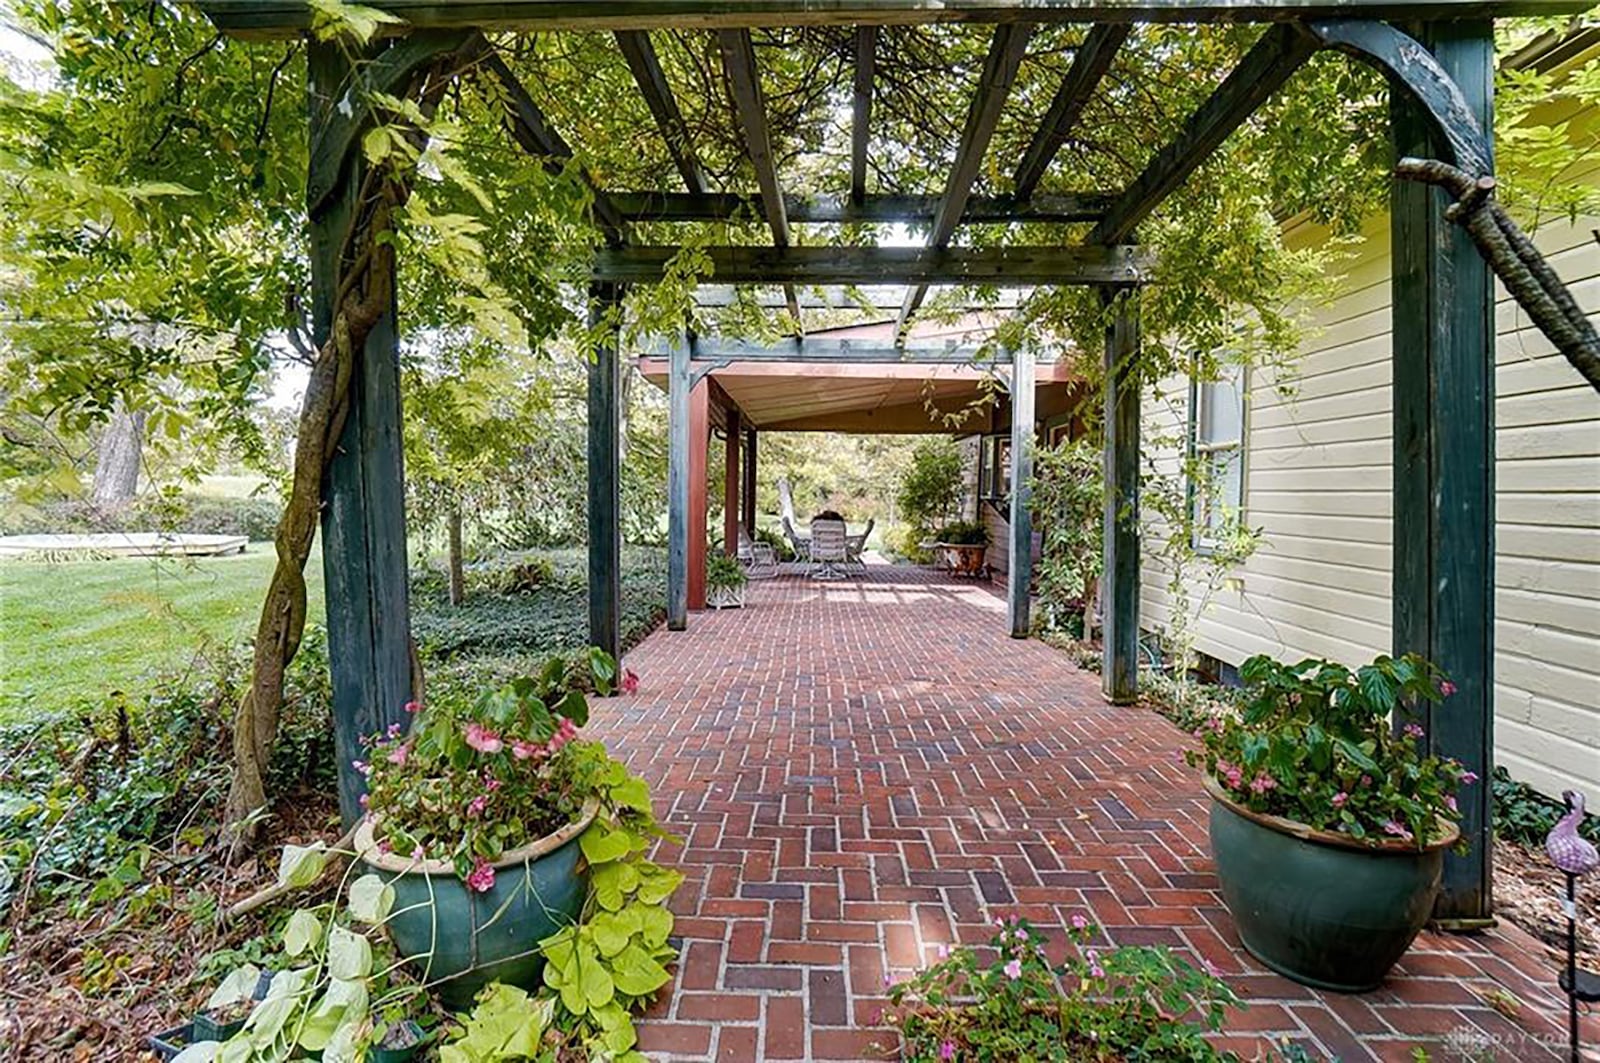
column 863, row 771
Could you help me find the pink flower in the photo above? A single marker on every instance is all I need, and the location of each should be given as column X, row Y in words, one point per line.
column 1447, row 688
column 1450, row 803
column 1469, row 777
column 630, row 682
column 491, row 784
column 1079, row 922
column 1097, row 971
column 1013, row 969
column 482, row 878
column 525, row 750
column 482, row 739
column 399, row 753
column 476, row 806
column 944, row 952
column 1262, row 783
column 1340, row 798
column 1394, row 828
column 1414, row 730
column 394, row 730
column 419, row 853
column 947, row 1050
column 362, row 766
column 1211, row 968
column 413, row 708
column 1366, row 780
column 365, row 800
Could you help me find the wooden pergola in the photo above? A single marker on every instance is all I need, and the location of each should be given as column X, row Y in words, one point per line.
column 1438, row 56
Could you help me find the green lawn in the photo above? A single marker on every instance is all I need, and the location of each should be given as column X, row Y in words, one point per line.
column 75, row 630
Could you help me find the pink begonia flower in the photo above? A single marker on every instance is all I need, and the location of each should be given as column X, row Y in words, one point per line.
column 1097, row 971
column 362, row 766
column 1414, row 730
column 476, row 806
column 1262, row 783
column 482, row 877
column 1366, row 780
column 413, row 708
column 947, row 1051
column 1450, row 803
column 491, row 784
column 394, row 730
column 419, row 853
column 399, row 753
column 1340, row 798
column 1447, row 688
column 944, row 952
column 1013, row 970
column 1079, row 922
column 482, row 739
column 1469, row 777
column 525, row 750
column 630, row 682
column 365, row 800
column 1394, row 828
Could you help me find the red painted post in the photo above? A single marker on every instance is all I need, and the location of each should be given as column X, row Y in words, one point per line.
column 732, row 485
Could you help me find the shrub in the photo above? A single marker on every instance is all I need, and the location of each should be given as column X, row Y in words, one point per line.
column 255, row 518
column 1068, row 491
column 963, row 533
column 1522, row 814
column 781, row 547
column 932, row 487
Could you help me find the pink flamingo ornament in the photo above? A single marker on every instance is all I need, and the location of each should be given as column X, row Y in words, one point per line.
column 1574, row 855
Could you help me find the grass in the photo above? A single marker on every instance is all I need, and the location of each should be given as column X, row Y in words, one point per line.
column 72, row 631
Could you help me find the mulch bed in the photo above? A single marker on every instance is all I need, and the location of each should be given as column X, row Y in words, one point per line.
column 1528, row 891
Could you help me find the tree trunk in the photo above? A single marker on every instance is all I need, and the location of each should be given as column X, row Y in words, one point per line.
column 458, row 585
column 117, row 459
column 785, row 500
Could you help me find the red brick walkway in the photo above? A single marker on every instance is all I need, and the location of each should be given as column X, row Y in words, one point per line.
column 864, row 771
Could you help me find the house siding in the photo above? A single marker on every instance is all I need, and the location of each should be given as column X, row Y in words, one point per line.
column 1318, row 483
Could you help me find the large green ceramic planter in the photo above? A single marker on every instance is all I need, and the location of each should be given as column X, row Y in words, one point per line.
column 459, row 940
column 1316, row 906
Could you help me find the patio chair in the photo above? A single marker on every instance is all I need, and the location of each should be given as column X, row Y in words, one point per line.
column 829, row 554
column 801, row 545
column 759, row 559
column 856, row 545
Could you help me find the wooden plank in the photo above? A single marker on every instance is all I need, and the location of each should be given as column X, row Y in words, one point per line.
column 732, row 480
column 1006, row 50
column 1120, row 584
column 1444, row 458
column 883, row 208
column 1019, row 569
column 825, row 349
column 605, row 474
column 284, row 18
column 1274, row 59
column 652, row 81
column 884, row 297
column 364, row 513
column 1001, row 266
column 861, row 110
column 1089, row 66
column 739, row 64
column 678, row 489
column 533, row 131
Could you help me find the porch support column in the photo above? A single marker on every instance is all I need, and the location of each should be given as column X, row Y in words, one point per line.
column 678, row 486
column 749, row 506
column 732, row 483
column 1020, row 572
column 699, row 443
column 1120, row 581
column 1443, row 326
column 605, row 472
column 364, row 512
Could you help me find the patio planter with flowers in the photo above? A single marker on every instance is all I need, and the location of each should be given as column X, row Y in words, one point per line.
column 485, row 818
column 1328, row 823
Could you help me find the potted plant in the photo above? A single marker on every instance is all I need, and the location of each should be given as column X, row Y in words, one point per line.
column 963, row 546
column 725, row 580
column 474, row 817
column 1328, row 821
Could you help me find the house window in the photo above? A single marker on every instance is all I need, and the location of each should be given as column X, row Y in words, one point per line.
column 994, row 468
column 1216, row 427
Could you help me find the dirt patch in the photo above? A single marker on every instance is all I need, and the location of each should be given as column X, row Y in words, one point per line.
column 1528, row 891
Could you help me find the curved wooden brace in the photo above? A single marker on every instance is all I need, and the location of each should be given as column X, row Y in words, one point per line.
column 390, row 73
column 1407, row 63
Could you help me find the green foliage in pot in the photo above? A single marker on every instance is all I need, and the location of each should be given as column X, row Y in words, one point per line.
column 1010, row 1002
column 1315, row 743
column 963, row 533
column 724, row 573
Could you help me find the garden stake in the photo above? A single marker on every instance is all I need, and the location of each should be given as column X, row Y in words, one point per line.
column 1575, row 857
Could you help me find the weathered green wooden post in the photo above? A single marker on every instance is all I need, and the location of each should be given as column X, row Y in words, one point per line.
column 1119, row 585
column 678, row 486
column 605, row 474
column 364, row 512
column 1444, row 450
column 1019, row 573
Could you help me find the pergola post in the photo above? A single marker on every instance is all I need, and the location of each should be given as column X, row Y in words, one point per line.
column 750, row 484
column 732, row 483
column 699, row 444
column 1020, row 572
column 1444, row 450
column 1119, row 584
column 364, row 512
column 605, row 475
column 678, row 384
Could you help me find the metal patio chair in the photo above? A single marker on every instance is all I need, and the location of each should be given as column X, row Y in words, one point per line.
column 759, row 559
column 855, row 546
column 829, row 554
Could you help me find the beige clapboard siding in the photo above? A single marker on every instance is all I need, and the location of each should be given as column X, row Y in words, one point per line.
column 1318, row 483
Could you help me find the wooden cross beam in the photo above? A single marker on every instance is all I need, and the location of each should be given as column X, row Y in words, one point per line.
column 652, row 80
column 994, row 85
column 1274, row 59
column 828, row 350
column 739, row 63
column 1089, row 66
column 861, row 127
column 999, row 266
column 881, row 208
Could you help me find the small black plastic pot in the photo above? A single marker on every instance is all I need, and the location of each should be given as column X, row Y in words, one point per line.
column 204, row 1026
column 419, row 1041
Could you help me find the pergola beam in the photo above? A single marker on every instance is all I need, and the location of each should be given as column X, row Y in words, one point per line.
column 739, row 63
column 825, row 350
column 861, row 110
column 994, row 85
column 286, row 18
column 652, row 81
column 1089, row 66
column 1001, row 266
column 835, row 210
column 1276, row 56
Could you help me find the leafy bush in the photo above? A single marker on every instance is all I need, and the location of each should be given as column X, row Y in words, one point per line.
column 1096, row 1005
column 511, row 575
column 254, row 518
column 1068, row 493
column 1522, row 814
column 781, row 547
column 963, row 533
column 1314, row 744
column 932, row 487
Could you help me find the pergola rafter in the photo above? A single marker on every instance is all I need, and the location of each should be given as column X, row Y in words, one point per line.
column 1441, row 76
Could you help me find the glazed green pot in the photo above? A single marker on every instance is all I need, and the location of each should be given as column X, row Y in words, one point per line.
column 458, row 940
column 1318, row 907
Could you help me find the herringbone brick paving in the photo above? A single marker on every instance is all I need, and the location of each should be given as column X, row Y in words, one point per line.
column 863, row 771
